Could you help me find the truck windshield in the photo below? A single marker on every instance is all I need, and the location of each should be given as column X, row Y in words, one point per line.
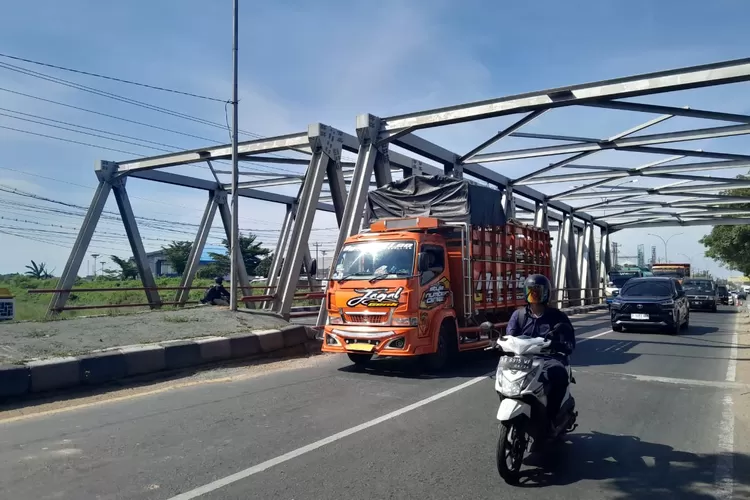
column 669, row 273
column 376, row 259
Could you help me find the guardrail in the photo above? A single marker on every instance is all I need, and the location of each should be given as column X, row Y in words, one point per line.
column 249, row 299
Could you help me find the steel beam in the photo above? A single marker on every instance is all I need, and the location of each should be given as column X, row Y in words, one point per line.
column 326, row 145
column 563, row 258
column 503, row 133
column 194, row 257
column 579, row 156
column 420, row 146
column 136, row 243
column 226, row 221
column 222, row 152
column 670, row 110
column 105, row 171
column 602, row 91
column 627, row 142
column 206, row 185
column 272, row 280
column 605, row 256
column 714, row 221
column 351, row 221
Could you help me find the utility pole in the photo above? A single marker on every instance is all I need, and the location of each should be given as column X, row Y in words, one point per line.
column 323, row 262
column 615, row 252
column 235, row 240
column 317, row 246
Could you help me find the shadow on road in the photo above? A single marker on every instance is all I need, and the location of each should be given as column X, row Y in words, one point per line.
column 604, row 351
column 468, row 364
column 634, row 469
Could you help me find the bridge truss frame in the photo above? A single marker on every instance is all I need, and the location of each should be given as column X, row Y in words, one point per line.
column 700, row 199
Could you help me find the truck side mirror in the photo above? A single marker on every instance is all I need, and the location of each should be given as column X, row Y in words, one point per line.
column 422, row 262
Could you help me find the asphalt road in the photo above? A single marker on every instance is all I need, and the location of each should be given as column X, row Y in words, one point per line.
column 655, row 422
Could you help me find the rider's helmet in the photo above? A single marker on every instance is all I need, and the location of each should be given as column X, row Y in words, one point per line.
column 219, row 280
column 537, row 289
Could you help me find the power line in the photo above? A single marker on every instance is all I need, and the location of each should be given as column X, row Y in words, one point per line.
column 85, row 128
column 136, row 122
column 91, row 134
column 69, row 140
column 117, row 97
column 120, row 80
column 271, row 169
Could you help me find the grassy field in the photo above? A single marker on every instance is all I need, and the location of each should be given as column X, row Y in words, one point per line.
column 32, row 306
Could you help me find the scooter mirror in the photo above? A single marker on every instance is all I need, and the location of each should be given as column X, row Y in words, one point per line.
column 486, row 327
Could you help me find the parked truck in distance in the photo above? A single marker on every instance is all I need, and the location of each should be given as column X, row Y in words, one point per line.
column 439, row 258
column 678, row 271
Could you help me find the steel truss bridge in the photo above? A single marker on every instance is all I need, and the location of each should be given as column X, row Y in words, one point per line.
column 593, row 208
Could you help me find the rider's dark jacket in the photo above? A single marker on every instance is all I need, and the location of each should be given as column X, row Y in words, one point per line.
column 523, row 323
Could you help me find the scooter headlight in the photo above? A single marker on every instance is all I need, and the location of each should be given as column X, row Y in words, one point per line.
column 512, row 388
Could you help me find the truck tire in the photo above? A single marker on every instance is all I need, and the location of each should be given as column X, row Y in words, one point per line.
column 359, row 359
column 447, row 349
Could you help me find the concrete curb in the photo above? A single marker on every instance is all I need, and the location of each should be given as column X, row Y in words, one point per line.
column 127, row 361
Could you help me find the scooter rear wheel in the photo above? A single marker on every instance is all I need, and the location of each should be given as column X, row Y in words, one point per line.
column 511, row 447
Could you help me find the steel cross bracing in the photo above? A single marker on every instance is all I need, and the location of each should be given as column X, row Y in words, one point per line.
column 322, row 145
column 333, row 185
column 698, row 200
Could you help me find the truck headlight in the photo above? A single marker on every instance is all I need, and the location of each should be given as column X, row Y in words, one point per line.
column 405, row 321
column 335, row 320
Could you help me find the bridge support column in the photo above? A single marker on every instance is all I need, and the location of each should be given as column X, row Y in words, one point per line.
column 372, row 158
column 326, row 144
column 193, row 261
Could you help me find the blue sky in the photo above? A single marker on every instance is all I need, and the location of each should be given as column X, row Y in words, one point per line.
column 327, row 61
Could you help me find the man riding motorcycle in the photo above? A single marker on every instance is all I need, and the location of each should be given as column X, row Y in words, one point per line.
column 538, row 319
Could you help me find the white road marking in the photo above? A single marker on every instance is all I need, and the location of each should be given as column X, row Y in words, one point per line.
column 725, row 459
column 670, row 380
column 243, row 474
column 593, row 337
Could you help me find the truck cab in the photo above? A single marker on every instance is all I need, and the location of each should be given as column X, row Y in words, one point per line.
column 389, row 290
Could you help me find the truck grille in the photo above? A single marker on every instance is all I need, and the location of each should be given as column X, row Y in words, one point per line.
column 366, row 318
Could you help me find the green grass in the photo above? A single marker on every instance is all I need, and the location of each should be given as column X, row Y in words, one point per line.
column 32, row 306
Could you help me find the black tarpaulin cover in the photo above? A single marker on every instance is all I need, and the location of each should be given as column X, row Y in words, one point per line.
column 445, row 198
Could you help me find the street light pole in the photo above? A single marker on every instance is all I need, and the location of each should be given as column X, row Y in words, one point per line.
column 235, row 239
column 666, row 242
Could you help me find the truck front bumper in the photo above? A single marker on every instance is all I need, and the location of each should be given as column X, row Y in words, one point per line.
column 381, row 341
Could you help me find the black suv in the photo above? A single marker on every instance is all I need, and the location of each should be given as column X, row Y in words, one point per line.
column 701, row 294
column 651, row 302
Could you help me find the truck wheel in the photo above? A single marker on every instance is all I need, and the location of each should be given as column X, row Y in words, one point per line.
column 446, row 349
column 359, row 359
column 616, row 327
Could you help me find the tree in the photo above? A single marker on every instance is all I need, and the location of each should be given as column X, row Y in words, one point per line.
column 252, row 254
column 127, row 267
column 38, row 271
column 731, row 244
column 265, row 266
column 177, row 254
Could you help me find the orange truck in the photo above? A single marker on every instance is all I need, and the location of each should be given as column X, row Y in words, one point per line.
column 679, row 271
column 438, row 259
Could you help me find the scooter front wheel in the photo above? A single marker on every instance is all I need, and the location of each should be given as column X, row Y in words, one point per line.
column 511, row 447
